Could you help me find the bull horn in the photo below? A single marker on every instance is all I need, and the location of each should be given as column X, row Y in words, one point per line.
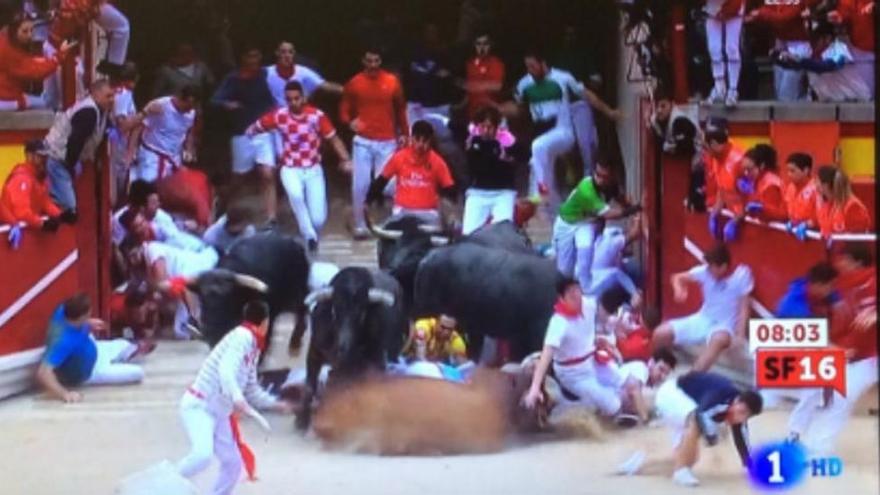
column 381, row 233
column 317, row 296
column 430, row 229
column 381, row 296
column 437, row 240
column 251, row 282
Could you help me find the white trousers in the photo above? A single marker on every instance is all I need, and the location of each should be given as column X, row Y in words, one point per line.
column 369, row 156
column 431, row 217
column 151, row 167
column 574, row 249
column 115, row 25
column 723, row 39
column 864, row 64
column 584, row 382
column 249, row 151
column 307, row 193
column 209, row 436
column 111, row 367
column 546, row 148
column 482, row 204
column 819, row 428
column 673, row 406
column 789, row 83
column 30, row 102
column 585, row 133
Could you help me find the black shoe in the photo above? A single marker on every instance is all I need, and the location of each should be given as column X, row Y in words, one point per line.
column 313, row 246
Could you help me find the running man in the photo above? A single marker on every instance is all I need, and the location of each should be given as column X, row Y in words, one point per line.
column 302, row 127
column 287, row 70
column 167, row 140
column 421, row 173
column 549, row 93
column 374, row 108
column 225, row 389
column 725, row 311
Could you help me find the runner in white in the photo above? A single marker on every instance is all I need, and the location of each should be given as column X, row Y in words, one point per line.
column 302, row 127
column 570, row 347
column 225, row 389
column 724, row 313
column 286, row 70
column 167, row 139
column 124, row 119
column 549, row 92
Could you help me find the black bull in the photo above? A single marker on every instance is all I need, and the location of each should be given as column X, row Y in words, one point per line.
column 268, row 265
column 491, row 281
column 358, row 326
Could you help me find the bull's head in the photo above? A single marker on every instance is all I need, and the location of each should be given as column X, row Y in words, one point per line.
column 340, row 314
column 222, row 294
column 402, row 245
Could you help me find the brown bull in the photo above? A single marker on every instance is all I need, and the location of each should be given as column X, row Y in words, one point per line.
column 423, row 416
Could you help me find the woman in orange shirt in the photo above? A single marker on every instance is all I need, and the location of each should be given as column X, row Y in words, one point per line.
column 838, row 210
column 800, row 195
column 761, row 185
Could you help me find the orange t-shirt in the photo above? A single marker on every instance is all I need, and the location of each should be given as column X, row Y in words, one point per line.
column 801, row 202
column 721, row 175
column 418, row 178
column 379, row 104
column 480, row 71
column 24, row 198
column 768, row 192
column 852, row 217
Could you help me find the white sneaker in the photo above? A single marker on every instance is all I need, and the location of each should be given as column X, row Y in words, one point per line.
column 632, row 465
column 717, row 95
column 684, row 476
column 732, row 98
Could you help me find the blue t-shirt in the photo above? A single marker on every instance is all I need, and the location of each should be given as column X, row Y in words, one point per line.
column 70, row 350
column 796, row 304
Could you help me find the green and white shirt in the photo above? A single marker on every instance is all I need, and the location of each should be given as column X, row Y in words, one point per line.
column 550, row 97
column 583, row 203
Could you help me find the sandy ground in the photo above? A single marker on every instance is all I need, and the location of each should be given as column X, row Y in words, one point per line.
column 50, row 448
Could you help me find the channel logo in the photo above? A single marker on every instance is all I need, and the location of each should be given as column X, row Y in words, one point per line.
column 783, row 465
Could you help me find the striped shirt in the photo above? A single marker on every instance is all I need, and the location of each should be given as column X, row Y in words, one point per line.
column 229, row 374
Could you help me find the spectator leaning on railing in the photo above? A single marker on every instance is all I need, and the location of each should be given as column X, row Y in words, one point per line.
column 761, row 185
column 18, row 67
column 25, row 195
column 74, row 137
column 800, row 194
column 838, row 210
column 723, row 165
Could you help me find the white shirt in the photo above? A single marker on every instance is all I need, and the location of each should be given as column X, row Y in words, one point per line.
column 217, row 235
column 573, row 338
column 721, row 298
column 229, row 374
column 166, row 130
column 123, row 106
column 551, row 97
column 179, row 262
column 164, row 228
column 309, row 79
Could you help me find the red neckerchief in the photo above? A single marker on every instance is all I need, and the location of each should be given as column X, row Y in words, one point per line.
column 285, row 73
column 562, row 309
column 255, row 331
column 248, row 73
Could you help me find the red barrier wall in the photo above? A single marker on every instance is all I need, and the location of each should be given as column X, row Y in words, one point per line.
column 23, row 269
